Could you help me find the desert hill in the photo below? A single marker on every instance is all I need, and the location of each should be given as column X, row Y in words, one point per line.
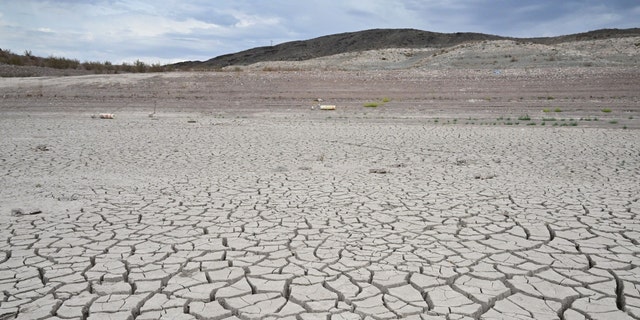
column 342, row 43
column 379, row 49
column 379, row 40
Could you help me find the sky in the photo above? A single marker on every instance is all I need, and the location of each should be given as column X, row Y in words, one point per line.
column 167, row 31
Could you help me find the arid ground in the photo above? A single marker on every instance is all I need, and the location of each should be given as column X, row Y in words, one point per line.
column 490, row 193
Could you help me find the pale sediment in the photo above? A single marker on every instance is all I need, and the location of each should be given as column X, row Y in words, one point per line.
column 307, row 213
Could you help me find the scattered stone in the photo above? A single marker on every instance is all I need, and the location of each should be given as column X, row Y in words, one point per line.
column 22, row 212
column 42, row 147
column 379, row 171
column 489, row 176
column 398, row 165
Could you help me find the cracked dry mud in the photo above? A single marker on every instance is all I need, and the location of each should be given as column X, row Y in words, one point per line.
column 270, row 218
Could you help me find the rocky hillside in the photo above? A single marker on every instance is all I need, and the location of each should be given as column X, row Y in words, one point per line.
column 383, row 39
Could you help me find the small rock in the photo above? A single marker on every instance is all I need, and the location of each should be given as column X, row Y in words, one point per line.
column 484, row 177
column 42, row 147
column 21, row 212
column 398, row 165
column 379, row 171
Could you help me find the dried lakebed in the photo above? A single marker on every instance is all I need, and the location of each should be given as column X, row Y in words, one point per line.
column 136, row 218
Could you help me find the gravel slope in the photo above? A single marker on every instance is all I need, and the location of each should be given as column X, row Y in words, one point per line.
column 499, row 54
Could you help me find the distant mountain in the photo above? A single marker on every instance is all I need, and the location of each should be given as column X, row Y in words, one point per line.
column 375, row 39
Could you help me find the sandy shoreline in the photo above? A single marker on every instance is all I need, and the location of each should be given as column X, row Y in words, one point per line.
column 236, row 200
column 451, row 94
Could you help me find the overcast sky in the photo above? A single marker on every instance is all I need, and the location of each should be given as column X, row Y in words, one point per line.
column 164, row 31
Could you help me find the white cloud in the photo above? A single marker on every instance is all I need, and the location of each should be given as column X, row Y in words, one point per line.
column 152, row 26
column 251, row 20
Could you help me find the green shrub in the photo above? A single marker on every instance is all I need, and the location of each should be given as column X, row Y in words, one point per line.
column 61, row 63
column 524, row 118
column 606, row 110
column 140, row 66
column 16, row 61
column 371, row 104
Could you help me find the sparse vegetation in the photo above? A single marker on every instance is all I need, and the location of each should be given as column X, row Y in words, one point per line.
column 606, row 110
column 376, row 104
column 274, row 69
column 28, row 59
column 557, row 110
column 527, row 121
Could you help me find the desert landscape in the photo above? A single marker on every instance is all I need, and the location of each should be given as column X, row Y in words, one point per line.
column 488, row 180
